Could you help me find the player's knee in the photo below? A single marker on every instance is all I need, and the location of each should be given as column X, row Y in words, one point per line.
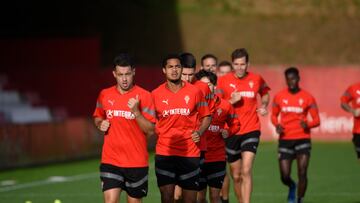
column 236, row 177
column 215, row 197
column 166, row 195
column 302, row 176
column 111, row 199
column 201, row 199
column 246, row 172
column 285, row 178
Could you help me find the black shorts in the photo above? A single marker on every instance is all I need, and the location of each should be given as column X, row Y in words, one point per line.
column 356, row 141
column 132, row 180
column 213, row 174
column 202, row 177
column 288, row 149
column 241, row 143
column 182, row 171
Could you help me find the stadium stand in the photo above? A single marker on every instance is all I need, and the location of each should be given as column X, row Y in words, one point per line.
column 15, row 108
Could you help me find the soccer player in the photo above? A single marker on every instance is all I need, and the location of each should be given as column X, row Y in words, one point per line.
column 178, row 106
column 125, row 113
column 241, row 88
column 209, row 63
column 350, row 102
column 214, row 168
column 188, row 63
column 293, row 105
column 224, row 68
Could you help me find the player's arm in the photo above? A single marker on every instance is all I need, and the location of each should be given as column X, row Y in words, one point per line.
column 204, row 124
column 355, row 112
column 235, row 97
column 145, row 125
column 314, row 112
column 265, row 97
column 233, row 124
column 204, row 115
column 315, row 118
column 102, row 124
column 345, row 100
column 100, row 120
column 275, row 111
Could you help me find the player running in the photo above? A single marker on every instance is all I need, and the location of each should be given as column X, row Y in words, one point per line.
column 290, row 117
column 350, row 102
column 178, row 106
column 125, row 113
column 214, row 168
column 241, row 88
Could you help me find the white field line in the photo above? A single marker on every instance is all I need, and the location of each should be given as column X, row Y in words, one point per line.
column 49, row 181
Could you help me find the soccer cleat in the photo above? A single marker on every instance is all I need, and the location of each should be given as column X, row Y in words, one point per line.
column 292, row 193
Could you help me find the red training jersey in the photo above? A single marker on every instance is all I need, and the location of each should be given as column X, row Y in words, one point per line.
column 177, row 117
column 352, row 96
column 224, row 114
column 209, row 98
column 294, row 108
column 248, row 86
column 124, row 130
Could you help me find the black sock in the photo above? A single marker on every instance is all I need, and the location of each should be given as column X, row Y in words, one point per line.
column 300, row 200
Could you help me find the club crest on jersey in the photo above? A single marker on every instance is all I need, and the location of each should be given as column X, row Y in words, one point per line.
column 219, row 111
column 251, row 84
column 187, row 99
column 166, row 101
column 285, row 101
column 111, row 102
column 301, row 101
column 233, row 86
column 358, row 92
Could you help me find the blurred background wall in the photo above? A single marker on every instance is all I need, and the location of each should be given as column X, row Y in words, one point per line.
column 56, row 56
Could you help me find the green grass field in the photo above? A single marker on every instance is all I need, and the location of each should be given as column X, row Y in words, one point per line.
column 333, row 177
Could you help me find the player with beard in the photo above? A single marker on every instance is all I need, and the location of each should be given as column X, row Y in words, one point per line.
column 125, row 113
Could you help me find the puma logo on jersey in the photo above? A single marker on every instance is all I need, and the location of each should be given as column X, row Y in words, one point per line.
column 285, row 101
column 232, row 85
column 111, row 102
column 358, row 92
column 166, row 101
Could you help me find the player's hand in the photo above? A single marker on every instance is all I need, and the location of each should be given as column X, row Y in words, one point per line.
column 195, row 135
column 279, row 129
column 224, row 133
column 133, row 105
column 262, row 111
column 104, row 125
column 235, row 97
column 356, row 112
column 304, row 125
